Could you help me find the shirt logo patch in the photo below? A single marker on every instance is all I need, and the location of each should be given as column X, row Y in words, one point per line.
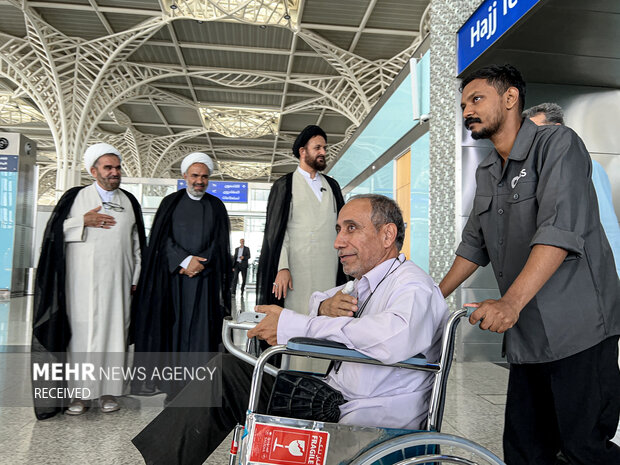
column 515, row 180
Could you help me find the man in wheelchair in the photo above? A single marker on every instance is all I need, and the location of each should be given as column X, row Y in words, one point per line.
column 399, row 312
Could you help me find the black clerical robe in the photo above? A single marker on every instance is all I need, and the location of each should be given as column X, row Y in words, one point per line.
column 192, row 234
column 175, row 313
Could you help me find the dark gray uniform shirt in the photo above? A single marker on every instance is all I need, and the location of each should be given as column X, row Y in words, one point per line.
column 544, row 195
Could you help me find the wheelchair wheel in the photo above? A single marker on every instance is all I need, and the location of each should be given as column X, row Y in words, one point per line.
column 427, row 448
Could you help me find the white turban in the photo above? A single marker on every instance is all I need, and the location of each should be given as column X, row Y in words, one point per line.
column 93, row 153
column 196, row 157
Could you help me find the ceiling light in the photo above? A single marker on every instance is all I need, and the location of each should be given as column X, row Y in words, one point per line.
column 173, row 6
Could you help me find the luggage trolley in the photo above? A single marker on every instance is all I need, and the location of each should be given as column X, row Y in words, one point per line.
column 268, row 439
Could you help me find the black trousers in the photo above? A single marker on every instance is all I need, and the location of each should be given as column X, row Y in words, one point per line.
column 239, row 268
column 188, row 435
column 570, row 405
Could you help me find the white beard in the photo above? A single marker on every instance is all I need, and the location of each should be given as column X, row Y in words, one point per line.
column 197, row 195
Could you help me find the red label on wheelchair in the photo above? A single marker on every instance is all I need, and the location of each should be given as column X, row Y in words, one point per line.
column 283, row 445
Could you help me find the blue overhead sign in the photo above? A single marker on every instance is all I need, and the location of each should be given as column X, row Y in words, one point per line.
column 229, row 191
column 488, row 23
column 236, row 192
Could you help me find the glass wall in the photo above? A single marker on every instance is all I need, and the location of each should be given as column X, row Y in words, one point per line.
column 382, row 182
column 390, row 123
column 420, row 176
column 389, row 134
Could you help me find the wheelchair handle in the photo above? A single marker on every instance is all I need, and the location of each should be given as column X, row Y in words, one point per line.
column 228, row 325
column 469, row 310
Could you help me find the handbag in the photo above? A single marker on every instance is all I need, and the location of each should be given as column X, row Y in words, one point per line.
column 301, row 395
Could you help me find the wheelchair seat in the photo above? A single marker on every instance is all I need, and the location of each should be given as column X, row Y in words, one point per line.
column 354, row 445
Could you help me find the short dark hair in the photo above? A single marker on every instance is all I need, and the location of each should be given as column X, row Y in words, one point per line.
column 500, row 77
column 304, row 136
column 552, row 111
column 384, row 211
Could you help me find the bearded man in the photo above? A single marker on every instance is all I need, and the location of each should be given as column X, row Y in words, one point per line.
column 297, row 257
column 535, row 219
column 185, row 283
column 89, row 267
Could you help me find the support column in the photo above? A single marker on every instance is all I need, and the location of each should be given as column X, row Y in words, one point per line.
column 447, row 16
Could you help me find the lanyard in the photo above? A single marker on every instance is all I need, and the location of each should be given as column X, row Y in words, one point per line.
column 335, row 365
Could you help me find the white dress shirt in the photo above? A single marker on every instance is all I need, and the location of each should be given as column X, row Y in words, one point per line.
column 315, row 184
column 404, row 317
column 106, row 196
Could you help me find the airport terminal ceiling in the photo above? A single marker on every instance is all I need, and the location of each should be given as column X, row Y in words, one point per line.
column 571, row 42
column 236, row 79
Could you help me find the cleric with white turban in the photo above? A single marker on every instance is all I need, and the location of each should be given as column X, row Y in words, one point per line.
column 101, row 229
column 95, row 151
column 196, row 157
column 185, row 283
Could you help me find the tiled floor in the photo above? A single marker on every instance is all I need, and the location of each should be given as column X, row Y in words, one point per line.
column 474, row 408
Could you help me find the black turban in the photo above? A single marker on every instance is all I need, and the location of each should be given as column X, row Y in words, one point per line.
column 304, row 136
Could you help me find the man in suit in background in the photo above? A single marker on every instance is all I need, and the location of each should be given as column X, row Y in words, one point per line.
column 240, row 265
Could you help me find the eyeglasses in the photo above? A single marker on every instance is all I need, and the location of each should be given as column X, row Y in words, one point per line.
column 113, row 206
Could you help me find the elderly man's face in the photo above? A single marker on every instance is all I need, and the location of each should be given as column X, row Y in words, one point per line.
column 360, row 246
column 107, row 172
column 197, row 177
column 313, row 153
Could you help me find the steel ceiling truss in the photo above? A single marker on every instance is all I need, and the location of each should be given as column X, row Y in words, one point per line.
column 69, row 79
column 282, row 13
column 173, row 158
column 159, row 154
column 239, row 122
column 74, row 83
column 14, row 111
column 245, row 170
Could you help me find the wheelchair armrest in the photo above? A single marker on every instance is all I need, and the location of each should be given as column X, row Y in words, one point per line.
column 322, row 346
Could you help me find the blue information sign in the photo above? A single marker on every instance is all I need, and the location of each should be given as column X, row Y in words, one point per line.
column 236, row 192
column 8, row 163
column 229, row 191
column 488, row 23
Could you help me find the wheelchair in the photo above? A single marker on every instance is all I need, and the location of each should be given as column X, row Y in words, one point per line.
column 322, row 443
